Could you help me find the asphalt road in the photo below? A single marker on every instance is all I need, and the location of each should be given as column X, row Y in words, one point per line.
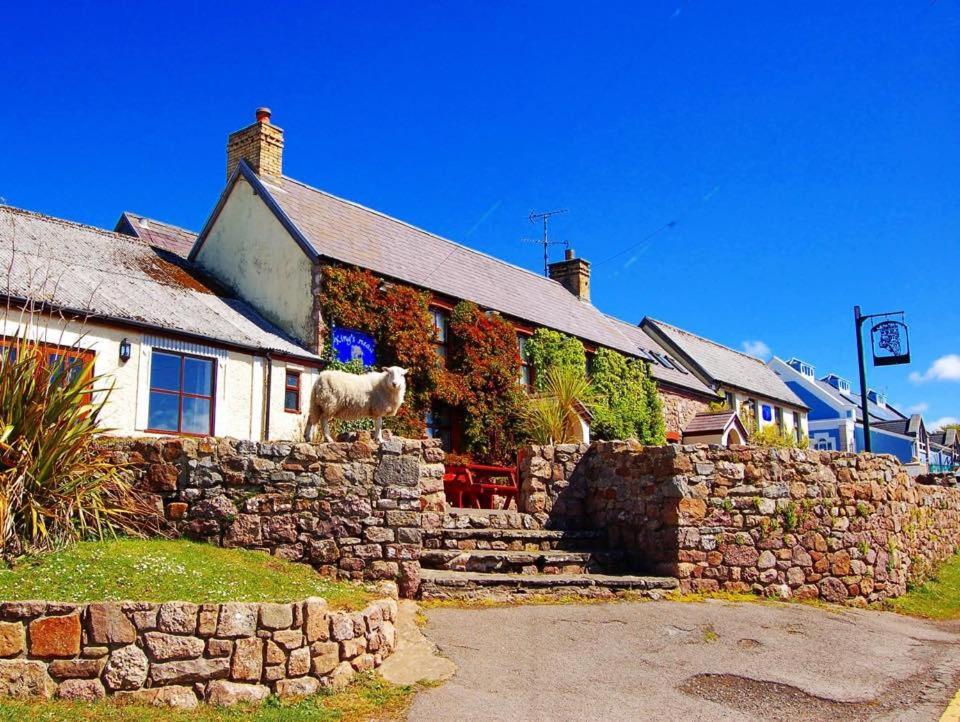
column 675, row 660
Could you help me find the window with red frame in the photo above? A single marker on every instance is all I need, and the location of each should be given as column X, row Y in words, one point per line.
column 181, row 394
column 526, row 370
column 291, row 392
column 66, row 363
column 441, row 322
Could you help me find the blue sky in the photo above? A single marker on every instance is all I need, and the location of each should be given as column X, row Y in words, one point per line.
column 807, row 154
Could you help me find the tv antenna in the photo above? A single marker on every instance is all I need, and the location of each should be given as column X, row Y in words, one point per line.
column 545, row 241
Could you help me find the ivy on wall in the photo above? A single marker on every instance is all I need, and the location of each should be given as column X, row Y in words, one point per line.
column 485, row 357
column 627, row 403
column 398, row 318
column 548, row 349
column 480, row 380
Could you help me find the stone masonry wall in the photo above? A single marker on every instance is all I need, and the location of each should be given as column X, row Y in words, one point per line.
column 177, row 654
column 353, row 510
column 830, row 525
column 679, row 409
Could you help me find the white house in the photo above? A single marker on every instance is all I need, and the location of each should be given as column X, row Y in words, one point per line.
column 181, row 353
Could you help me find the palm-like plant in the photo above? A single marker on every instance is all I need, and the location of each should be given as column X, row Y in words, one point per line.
column 553, row 416
column 56, row 486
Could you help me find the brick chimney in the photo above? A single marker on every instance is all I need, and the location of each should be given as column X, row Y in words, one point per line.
column 260, row 144
column 573, row 273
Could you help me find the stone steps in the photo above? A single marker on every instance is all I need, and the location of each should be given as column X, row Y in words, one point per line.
column 507, row 555
column 522, row 562
column 444, row 584
column 514, row 539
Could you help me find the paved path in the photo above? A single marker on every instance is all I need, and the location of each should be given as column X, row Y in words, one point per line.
column 674, row 660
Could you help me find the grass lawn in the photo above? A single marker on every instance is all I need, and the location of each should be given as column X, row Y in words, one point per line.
column 937, row 598
column 370, row 698
column 163, row 571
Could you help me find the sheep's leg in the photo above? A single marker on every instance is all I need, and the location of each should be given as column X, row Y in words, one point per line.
column 378, row 428
column 326, row 429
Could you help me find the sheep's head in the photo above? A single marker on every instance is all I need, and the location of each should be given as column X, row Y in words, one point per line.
column 396, row 380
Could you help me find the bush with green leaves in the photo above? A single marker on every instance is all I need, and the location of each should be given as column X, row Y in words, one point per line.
column 626, row 401
column 56, row 484
column 547, row 349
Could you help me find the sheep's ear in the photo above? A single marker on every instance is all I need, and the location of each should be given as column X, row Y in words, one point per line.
column 403, row 372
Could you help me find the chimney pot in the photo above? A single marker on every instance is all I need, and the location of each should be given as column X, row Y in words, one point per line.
column 263, row 115
column 569, row 254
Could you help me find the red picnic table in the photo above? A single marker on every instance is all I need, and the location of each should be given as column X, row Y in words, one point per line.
column 473, row 485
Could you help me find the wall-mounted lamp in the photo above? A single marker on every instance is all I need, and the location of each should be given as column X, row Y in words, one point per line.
column 125, row 350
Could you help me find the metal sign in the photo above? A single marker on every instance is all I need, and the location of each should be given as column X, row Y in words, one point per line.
column 891, row 343
column 352, row 345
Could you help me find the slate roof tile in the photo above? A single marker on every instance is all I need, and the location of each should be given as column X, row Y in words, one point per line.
column 88, row 270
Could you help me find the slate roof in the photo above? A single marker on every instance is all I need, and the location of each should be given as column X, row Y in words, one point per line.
column 880, row 413
column 904, row 427
column 78, row 268
column 676, row 375
column 710, row 423
column 947, row 437
column 726, row 366
column 351, row 233
column 157, row 233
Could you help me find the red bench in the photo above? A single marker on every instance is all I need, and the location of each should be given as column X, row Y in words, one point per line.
column 473, row 485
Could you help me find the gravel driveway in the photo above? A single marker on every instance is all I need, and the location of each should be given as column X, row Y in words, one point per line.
column 673, row 660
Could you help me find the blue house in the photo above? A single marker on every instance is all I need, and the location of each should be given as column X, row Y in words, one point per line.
column 836, row 416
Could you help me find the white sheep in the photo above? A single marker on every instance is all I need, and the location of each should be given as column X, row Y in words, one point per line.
column 340, row 395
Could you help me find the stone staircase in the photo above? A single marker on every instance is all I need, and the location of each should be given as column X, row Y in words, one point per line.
column 481, row 553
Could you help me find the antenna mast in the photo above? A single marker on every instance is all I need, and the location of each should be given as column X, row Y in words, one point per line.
column 545, row 241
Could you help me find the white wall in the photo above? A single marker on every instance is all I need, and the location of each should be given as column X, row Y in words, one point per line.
column 249, row 250
column 740, row 397
column 285, row 425
column 240, row 380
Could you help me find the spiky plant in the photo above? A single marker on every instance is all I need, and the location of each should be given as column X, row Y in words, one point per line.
column 56, row 486
column 554, row 414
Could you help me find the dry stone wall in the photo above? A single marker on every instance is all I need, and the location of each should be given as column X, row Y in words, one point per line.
column 830, row 525
column 353, row 510
column 179, row 653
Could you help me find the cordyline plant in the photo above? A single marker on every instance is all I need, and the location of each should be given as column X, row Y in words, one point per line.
column 56, row 486
column 553, row 416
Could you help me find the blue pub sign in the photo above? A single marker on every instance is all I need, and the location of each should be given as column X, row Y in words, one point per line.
column 352, row 345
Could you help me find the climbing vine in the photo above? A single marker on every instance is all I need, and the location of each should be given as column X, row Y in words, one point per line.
column 627, row 403
column 485, row 357
column 398, row 318
column 551, row 349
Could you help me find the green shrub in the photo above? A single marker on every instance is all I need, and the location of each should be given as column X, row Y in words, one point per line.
column 771, row 435
column 548, row 349
column 627, row 403
column 56, row 485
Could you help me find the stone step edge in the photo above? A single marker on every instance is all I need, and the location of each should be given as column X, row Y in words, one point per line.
column 443, row 578
column 517, row 555
column 532, row 534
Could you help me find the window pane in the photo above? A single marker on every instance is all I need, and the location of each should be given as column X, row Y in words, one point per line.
column 291, row 400
column 293, row 380
column 165, row 372
column 196, row 416
column 164, row 410
column 198, row 376
column 525, row 375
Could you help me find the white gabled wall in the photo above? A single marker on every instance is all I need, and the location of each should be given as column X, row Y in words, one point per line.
column 250, row 251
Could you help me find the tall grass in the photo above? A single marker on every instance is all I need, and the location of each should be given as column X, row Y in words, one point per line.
column 56, row 487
